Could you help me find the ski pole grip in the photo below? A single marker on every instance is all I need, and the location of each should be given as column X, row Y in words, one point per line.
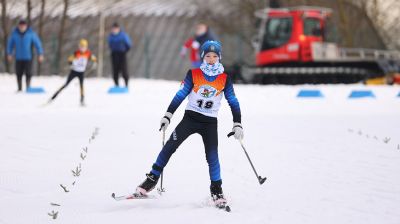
column 230, row 134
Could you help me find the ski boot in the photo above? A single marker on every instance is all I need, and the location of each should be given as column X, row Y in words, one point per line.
column 218, row 196
column 148, row 185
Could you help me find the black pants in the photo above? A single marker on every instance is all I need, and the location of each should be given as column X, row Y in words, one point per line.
column 70, row 77
column 119, row 65
column 23, row 67
column 192, row 123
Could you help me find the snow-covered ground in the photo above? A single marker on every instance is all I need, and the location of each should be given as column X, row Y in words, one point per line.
column 325, row 159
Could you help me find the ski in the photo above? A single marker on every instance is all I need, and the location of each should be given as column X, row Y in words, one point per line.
column 224, row 207
column 132, row 196
column 221, row 206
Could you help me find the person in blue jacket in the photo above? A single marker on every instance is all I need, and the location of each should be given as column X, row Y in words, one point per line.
column 119, row 43
column 20, row 44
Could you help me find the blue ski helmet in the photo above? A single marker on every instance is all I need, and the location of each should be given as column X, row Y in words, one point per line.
column 211, row 46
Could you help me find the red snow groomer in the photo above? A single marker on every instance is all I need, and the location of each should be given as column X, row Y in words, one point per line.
column 294, row 46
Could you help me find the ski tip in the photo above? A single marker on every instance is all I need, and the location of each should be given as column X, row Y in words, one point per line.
column 223, row 207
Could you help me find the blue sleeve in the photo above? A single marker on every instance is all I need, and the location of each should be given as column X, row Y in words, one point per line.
column 186, row 87
column 128, row 41
column 37, row 43
column 10, row 44
column 232, row 100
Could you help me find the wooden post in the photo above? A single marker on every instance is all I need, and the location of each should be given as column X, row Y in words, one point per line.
column 61, row 36
column 41, row 20
column 5, row 32
column 101, row 44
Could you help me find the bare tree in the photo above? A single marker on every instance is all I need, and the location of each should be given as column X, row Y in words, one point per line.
column 380, row 13
column 274, row 3
column 61, row 35
column 239, row 17
column 41, row 20
column 5, row 32
column 344, row 22
column 29, row 11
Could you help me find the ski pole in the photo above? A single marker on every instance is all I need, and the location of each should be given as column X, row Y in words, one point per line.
column 161, row 189
column 261, row 180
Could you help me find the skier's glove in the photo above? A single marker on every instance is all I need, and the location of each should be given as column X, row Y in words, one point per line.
column 165, row 121
column 237, row 130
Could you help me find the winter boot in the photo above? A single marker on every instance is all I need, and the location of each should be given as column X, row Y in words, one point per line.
column 217, row 195
column 148, row 184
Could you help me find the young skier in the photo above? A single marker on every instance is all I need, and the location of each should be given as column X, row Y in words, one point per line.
column 78, row 62
column 204, row 87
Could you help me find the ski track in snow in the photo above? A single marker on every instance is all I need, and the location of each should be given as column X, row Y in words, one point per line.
column 318, row 170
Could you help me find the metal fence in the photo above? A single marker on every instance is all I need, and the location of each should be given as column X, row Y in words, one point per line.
column 157, row 42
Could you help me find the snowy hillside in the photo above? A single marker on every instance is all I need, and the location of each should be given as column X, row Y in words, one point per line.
column 329, row 160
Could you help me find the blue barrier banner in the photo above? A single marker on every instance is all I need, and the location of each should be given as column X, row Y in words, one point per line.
column 304, row 93
column 118, row 90
column 362, row 94
column 35, row 90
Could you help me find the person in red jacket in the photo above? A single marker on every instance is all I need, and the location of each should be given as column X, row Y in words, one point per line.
column 202, row 34
column 193, row 46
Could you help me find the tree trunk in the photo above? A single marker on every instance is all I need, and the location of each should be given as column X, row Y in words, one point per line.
column 375, row 11
column 274, row 4
column 344, row 24
column 5, row 32
column 41, row 18
column 61, row 36
column 29, row 11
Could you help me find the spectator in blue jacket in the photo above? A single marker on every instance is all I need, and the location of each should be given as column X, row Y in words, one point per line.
column 119, row 43
column 20, row 44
